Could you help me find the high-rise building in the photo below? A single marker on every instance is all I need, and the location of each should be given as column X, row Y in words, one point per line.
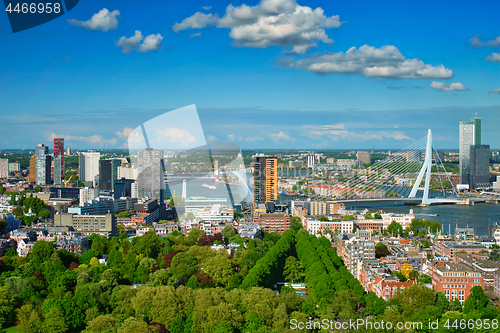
column 108, row 173
column 265, row 179
column 43, row 165
column 150, row 179
column 474, row 157
column 58, row 168
column 4, row 167
column 364, row 157
column 88, row 165
column 14, row 167
column 32, row 174
column 310, row 160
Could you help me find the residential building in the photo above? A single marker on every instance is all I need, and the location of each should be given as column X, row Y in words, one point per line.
column 271, row 222
column 265, row 179
column 88, row 167
column 310, row 161
column 387, row 289
column 496, row 282
column 161, row 229
column 403, row 219
column 215, row 210
column 487, row 268
column 364, row 157
column 314, row 226
column 103, row 225
column 73, row 244
column 4, row 168
column 104, row 205
column 455, row 280
column 13, row 167
column 150, row 179
column 24, row 247
column 13, row 222
column 250, row 231
column 43, row 165
column 450, row 249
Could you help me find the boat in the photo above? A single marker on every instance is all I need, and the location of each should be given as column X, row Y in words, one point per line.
column 211, row 187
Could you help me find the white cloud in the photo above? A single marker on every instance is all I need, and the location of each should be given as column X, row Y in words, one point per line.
column 197, row 21
column 212, row 138
column 253, row 138
column 385, row 62
column 233, row 137
column 104, row 20
column 125, row 133
column 338, row 131
column 129, row 43
column 150, row 43
column 280, row 136
column 207, row 7
column 270, row 23
column 93, row 139
column 441, row 86
column 175, row 135
column 494, row 57
column 475, row 42
column 198, row 34
column 495, row 91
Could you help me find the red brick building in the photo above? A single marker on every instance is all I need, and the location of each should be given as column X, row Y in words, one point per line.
column 271, row 222
column 387, row 289
column 449, row 249
column 455, row 280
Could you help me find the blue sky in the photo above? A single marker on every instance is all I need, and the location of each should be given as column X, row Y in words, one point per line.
column 270, row 74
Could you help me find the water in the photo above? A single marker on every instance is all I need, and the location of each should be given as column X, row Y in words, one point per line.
column 457, row 215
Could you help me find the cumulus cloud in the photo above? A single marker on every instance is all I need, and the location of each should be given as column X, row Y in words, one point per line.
column 197, row 21
column 233, row 137
column 494, row 57
column 441, row 86
column 150, row 43
column 270, row 23
column 212, row 138
column 385, row 62
column 175, row 135
column 280, row 136
column 475, row 42
column 93, row 139
column 104, row 20
column 206, row 7
column 198, row 34
column 495, row 91
column 125, row 133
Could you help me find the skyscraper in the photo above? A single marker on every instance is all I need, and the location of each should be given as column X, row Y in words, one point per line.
column 474, row 157
column 32, row 175
column 43, row 165
column 88, row 165
column 310, row 161
column 265, row 179
column 108, row 171
column 58, row 169
column 364, row 157
column 150, row 179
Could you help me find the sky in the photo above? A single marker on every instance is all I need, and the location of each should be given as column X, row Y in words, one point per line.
column 262, row 74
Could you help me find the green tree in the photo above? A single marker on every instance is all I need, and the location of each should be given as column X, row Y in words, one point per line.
column 3, row 225
column 44, row 213
column 478, row 301
column 348, row 218
column 381, row 250
column 7, row 305
column 394, row 228
column 294, row 271
column 54, row 322
column 42, row 251
column 102, row 324
column 29, row 319
column 228, row 231
column 377, row 216
column 184, row 265
column 220, row 268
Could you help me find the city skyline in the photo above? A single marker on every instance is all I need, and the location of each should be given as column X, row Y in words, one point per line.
column 91, row 83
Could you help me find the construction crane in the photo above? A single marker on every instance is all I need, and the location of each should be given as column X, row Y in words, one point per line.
column 66, row 182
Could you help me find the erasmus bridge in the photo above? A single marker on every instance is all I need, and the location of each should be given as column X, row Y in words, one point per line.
column 414, row 174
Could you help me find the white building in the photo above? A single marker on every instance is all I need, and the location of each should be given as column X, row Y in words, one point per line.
column 88, row 194
column 403, row 219
column 4, row 167
column 88, row 163
column 213, row 210
column 311, row 159
column 314, row 226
